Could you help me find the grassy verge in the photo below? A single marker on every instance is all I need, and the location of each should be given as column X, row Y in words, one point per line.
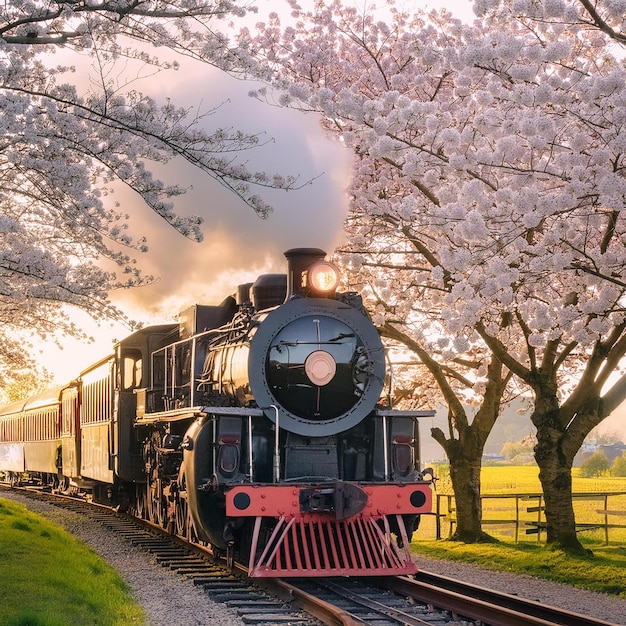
column 49, row 578
column 604, row 572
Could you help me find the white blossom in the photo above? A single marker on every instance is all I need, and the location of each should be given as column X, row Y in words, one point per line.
column 489, row 172
column 65, row 148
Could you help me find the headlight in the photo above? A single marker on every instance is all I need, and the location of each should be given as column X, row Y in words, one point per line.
column 323, row 277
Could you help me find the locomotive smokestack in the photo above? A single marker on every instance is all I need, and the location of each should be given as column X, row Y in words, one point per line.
column 243, row 293
column 298, row 261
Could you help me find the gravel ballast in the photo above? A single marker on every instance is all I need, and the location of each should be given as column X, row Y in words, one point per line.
column 598, row 605
column 170, row 600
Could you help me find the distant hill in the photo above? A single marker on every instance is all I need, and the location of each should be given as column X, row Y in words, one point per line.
column 513, row 425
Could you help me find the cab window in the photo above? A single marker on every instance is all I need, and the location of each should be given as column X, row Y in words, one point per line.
column 132, row 369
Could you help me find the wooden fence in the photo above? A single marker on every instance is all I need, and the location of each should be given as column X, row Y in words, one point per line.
column 525, row 513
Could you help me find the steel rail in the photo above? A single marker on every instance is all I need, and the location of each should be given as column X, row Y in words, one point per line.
column 490, row 607
column 324, row 611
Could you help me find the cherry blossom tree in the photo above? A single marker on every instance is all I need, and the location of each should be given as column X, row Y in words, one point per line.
column 65, row 147
column 486, row 218
column 25, row 384
column 609, row 16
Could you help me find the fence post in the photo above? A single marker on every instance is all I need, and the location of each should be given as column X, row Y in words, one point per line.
column 606, row 518
column 438, row 516
column 450, row 513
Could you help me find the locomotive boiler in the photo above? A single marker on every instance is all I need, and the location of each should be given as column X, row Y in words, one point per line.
column 256, row 427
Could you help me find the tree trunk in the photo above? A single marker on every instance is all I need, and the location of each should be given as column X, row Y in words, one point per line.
column 465, row 456
column 555, row 474
column 464, row 449
column 465, row 468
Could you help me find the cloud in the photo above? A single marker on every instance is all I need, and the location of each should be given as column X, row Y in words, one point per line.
column 236, row 241
column 238, row 245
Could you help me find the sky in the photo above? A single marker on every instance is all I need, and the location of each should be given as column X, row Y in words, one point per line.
column 238, row 245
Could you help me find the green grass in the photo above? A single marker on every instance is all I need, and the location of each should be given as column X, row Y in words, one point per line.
column 49, row 578
column 604, row 571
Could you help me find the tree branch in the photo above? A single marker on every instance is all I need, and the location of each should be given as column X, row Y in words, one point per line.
column 598, row 21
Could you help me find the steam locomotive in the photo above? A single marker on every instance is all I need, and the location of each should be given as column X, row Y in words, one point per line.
column 253, row 426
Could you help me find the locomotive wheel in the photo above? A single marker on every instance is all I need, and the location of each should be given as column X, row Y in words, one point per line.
column 183, row 522
column 149, row 504
column 158, row 508
column 161, row 513
column 156, row 512
column 140, row 502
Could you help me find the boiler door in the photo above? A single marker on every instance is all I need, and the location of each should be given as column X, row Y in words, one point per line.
column 317, row 365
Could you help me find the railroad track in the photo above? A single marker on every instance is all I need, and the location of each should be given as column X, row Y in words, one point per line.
column 494, row 608
column 429, row 599
column 357, row 602
column 426, row 600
